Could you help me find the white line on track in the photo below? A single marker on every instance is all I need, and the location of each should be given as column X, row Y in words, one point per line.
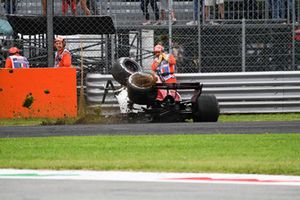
column 150, row 177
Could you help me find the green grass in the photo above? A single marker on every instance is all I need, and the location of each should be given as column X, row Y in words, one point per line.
column 255, row 153
column 260, row 117
column 20, row 122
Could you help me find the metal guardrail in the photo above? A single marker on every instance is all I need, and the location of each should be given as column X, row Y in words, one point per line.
column 249, row 38
column 252, row 92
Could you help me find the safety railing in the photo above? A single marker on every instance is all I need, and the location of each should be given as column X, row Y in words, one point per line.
column 252, row 92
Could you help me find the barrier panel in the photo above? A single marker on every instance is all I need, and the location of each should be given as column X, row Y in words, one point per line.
column 237, row 93
column 38, row 92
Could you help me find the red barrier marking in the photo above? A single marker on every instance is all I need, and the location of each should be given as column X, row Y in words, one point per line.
column 233, row 180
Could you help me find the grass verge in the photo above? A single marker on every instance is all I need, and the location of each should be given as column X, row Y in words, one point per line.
column 255, row 153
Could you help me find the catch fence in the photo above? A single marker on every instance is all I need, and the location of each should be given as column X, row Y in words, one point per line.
column 238, row 36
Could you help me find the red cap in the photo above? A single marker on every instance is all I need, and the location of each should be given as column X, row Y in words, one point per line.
column 13, row 50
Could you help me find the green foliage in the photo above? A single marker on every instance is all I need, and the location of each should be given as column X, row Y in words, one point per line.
column 255, row 153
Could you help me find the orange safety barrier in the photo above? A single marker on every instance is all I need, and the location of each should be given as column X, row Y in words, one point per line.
column 38, row 93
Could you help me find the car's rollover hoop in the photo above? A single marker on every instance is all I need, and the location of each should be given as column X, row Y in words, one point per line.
column 142, row 89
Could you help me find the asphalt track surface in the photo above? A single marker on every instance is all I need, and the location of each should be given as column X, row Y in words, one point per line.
column 151, row 129
column 108, row 185
column 15, row 189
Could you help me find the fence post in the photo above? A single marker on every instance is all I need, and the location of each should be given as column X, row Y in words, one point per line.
column 199, row 34
column 11, row 7
column 293, row 33
column 243, row 45
column 170, row 25
column 50, row 32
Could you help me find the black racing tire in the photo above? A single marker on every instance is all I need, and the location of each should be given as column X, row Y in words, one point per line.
column 206, row 109
column 123, row 68
column 140, row 87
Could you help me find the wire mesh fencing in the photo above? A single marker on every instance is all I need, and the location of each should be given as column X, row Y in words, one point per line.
column 204, row 36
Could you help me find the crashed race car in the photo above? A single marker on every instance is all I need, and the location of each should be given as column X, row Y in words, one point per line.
column 144, row 96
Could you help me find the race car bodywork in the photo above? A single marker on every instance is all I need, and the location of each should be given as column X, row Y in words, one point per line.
column 142, row 96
